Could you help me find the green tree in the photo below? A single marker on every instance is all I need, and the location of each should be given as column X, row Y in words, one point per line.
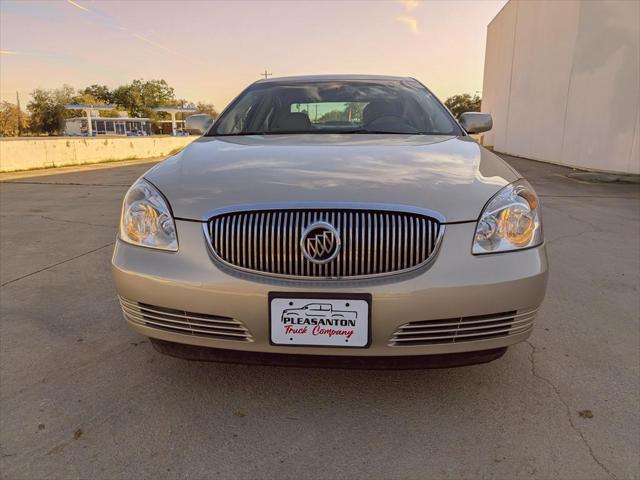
column 208, row 108
column 353, row 111
column 9, row 116
column 458, row 104
column 139, row 97
column 88, row 99
column 99, row 92
column 47, row 111
column 333, row 116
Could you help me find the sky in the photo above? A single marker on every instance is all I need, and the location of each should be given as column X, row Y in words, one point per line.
column 210, row 50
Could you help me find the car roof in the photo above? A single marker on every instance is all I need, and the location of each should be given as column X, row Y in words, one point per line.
column 312, row 78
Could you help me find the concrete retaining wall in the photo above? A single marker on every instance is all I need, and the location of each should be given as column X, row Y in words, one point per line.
column 25, row 154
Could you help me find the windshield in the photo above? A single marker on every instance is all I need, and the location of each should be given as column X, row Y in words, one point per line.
column 362, row 106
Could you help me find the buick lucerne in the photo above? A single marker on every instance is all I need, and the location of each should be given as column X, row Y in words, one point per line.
column 333, row 221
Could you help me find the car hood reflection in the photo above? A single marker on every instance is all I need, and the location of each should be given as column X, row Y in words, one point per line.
column 451, row 175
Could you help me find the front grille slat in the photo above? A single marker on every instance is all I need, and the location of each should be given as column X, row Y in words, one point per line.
column 392, row 250
column 464, row 329
column 372, row 242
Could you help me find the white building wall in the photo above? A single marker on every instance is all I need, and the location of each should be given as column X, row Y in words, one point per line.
column 562, row 81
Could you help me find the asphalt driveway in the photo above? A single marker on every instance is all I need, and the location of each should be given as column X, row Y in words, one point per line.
column 81, row 396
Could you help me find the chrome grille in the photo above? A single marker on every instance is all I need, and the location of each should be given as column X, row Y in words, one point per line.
column 466, row 329
column 186, row 323
column 372, row 242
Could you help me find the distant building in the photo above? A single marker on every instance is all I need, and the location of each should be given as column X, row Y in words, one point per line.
column 107, row 126
column 123, row 125
column 561, row 82
column 165, row 127
column 177, row 126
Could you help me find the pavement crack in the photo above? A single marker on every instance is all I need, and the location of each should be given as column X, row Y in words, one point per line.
column 556, row 390
column 55, row 265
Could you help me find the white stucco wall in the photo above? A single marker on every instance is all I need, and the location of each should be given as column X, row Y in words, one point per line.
column 562, row 82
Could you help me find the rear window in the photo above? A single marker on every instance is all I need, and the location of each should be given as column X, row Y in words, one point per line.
column 331, row 113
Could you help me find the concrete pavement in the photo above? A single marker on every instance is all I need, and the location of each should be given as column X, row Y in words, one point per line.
column 81, row 396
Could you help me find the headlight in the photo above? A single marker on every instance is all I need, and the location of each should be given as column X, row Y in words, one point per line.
column 146, row 218
column 510, row 221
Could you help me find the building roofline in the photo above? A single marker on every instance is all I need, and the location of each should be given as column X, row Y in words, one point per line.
column 83, row 106
column 174, row 109
column 108, row 118
column 499, row 12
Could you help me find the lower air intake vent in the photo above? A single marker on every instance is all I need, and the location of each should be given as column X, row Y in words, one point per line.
column 465, row 329
column 186, row 323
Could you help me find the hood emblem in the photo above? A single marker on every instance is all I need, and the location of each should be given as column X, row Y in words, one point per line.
column 320, row 242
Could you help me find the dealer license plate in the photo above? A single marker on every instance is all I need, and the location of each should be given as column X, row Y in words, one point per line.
column 331, row 320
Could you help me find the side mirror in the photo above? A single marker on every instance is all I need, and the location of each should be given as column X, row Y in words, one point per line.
column 476, row 122
column 198, row 123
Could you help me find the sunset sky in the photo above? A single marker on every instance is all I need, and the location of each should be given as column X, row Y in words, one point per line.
column 209, row 51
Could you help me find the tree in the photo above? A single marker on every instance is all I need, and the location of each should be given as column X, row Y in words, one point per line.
column 333, row 116
column 47, row 111
column 141, row 96
column 100, row 93
column 464, row 102
column 9, row 116
column 88, row 99
column 353, row 111
column 207, row 108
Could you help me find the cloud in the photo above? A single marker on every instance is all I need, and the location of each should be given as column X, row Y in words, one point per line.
column 77, row 5
column 96, row 16
column 409, row 4
column 159, row 46
column 411, row 22
column 8, row 52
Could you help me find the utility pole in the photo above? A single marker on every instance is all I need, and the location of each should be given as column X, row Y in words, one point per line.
column 266, row 74
column 19, row 113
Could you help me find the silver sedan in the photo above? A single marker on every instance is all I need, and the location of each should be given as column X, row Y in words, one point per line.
column 333, row 221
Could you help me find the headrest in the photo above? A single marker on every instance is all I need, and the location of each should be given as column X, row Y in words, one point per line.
column 294, row 121
column 377, row 109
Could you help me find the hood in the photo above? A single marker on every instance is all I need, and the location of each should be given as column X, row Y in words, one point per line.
column 450, row 175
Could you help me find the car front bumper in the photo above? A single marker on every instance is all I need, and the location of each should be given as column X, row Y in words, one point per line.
column 455, row 285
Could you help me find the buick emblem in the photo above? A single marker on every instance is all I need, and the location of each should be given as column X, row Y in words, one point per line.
column 320, row 242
